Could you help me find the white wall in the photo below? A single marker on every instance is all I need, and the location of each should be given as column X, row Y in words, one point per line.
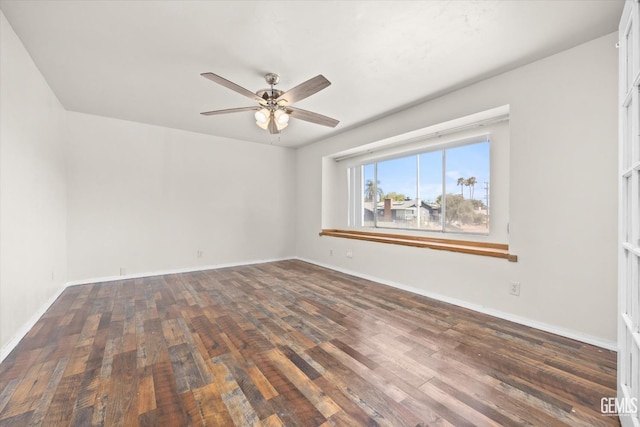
column 147, row 199
column 563, row 162
column 32, row 189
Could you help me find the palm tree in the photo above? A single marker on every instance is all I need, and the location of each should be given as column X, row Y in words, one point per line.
column 471, row 182
column 461, row 183
column 371, row 191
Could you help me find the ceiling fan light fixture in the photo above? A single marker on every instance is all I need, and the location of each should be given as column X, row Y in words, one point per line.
column 262, row 116
column 282, row 118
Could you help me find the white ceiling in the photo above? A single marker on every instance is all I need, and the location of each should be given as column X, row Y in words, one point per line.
column 141, row 60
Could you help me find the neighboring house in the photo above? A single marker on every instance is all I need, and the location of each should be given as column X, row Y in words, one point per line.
column 402, row 211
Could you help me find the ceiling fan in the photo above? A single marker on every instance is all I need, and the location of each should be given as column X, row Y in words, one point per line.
column 274, row 106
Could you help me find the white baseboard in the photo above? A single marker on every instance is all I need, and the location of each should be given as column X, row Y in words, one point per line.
column 574, row 335
column 171, row 271
column 22, row 331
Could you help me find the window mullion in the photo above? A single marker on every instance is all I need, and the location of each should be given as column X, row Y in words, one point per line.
column 443, row 210
column 418, row 203
column 375, row 195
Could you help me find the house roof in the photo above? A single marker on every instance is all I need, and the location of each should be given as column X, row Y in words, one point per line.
column 401, row 205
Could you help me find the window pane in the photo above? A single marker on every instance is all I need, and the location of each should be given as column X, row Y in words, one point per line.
column 626, row 209
column 629, row 138
column 467, row 189
column 629, row 58
column 634, row 213
column 430, row 191
column 635, row 291
column 632, row 137
column 628, row 272
column 397, row 182
column 369, row 194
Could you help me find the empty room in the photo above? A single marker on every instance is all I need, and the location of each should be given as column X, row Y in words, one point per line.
column 320, row 213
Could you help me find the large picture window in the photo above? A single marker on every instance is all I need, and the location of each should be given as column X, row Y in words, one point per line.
column 444, row 190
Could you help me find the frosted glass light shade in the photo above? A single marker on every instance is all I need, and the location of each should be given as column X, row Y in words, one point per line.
column 262, row 116
column 282, row 118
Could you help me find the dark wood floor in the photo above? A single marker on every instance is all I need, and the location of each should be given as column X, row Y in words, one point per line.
column 292, row 344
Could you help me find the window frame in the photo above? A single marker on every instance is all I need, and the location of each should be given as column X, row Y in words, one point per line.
column 492, row 124
column 357, row 216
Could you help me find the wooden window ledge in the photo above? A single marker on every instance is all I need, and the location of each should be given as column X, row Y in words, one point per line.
column 496, row 250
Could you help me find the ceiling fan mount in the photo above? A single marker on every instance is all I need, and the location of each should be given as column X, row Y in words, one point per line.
column 272, row 78
column 274, row 106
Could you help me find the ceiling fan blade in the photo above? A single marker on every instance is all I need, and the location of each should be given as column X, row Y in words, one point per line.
column 230, row 85
column 312, row 117
column 303, row 90
column 229, row 110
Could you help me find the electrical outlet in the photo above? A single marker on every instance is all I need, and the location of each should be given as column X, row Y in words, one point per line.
column 123, row 271
column 349, row 253
column 514, row 288
column 330, row 252
column 199, row 254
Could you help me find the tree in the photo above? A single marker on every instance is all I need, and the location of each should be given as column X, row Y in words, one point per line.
column 460, row 211
column 372, row 192
column 395, row 197
column 461, row 183
column 471, row 182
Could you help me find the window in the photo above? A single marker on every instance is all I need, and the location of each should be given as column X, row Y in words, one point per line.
column 451, row 177
column 444, row 189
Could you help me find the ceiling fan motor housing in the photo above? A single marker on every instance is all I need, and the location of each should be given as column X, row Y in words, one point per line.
column 268, row 94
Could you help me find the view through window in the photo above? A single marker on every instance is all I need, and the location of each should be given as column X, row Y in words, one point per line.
column 444, row 190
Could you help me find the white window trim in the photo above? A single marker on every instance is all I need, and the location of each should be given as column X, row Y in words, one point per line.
column 429, row 133
column 462, row 131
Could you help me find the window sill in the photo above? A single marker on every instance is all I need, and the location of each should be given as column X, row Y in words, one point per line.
column 496, row 250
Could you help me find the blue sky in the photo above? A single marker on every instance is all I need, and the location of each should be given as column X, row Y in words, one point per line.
column 399, row 175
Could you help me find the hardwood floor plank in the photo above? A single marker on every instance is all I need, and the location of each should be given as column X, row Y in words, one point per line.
column 325, row 405
column 191, row 408
column 262, row 384
column 169, row 410
column 240, row 410
column 7, row 392
column 260, row 405
column 82, row 417
column 19, row 420
column 291, row 344
column 213, row 410
column 210, row 336
column 146, row 390
column 100, row 405
column 123, row 395
column 61, row 408
column 37, row 417
column 350, row 410
column 291, row 405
